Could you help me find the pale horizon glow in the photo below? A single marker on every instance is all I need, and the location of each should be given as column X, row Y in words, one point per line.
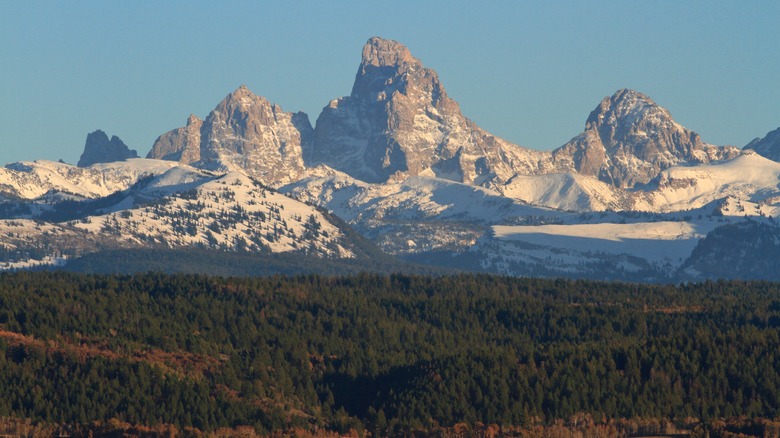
column 529, row 72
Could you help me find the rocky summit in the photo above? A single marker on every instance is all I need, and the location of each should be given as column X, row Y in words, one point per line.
column 244, row 132
column 629, row 139
column 398, row 122
column 768, row 146
column 99, row 149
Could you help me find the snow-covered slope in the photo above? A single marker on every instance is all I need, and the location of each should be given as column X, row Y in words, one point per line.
column 230, row 212
column 569, row 191
column 171, row 207
column 636, row 251
column 415, row 198
column 419, row 213
column 657, row 242
column 749, row 177
column 163, row 204
column 33, row 179
column 648, row 240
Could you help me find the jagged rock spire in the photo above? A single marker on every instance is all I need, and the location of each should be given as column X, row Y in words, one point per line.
column 398, row 121
column 99, row 149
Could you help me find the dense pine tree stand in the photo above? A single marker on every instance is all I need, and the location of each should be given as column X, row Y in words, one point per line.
column 387, row 354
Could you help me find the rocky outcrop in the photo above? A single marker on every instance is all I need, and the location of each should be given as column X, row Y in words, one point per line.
column 629, row 139
column 398, row 121
column 768, row 147
column 99, row 149
column 244, row 132
column 180, row 144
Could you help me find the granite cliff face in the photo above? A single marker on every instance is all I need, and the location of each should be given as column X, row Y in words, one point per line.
column 768, row 147
column 180, row 144
column 99, row 149
column 398, row 122
column 629, row 139
column 244, row 132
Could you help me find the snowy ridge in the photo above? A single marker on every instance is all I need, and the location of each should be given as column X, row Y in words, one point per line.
column 180, row 207
column 415, row 198
column 749, row 177
column 648, row 235
column 230, row 212
column 30, row 180
column 568, row 191
column 419, row 213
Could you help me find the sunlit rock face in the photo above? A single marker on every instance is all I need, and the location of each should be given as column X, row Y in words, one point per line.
column 244, row 132
column 398, row 122
column 629, row 139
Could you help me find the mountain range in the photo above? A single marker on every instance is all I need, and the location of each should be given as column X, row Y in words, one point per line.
column 636, row 196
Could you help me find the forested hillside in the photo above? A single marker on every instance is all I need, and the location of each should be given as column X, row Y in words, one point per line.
column 385, row 355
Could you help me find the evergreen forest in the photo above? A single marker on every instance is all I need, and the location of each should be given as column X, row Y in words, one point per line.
column 380, row 355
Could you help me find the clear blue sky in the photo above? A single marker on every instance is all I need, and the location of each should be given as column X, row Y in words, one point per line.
column 527, row 71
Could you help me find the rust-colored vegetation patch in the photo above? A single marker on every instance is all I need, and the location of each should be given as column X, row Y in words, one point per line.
column 678, row 309
column 178, row 362
column 182, row 364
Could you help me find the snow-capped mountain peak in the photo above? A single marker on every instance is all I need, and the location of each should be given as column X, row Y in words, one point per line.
column 244, row 132
column 628, row 107
column 398, row 121
column 629, row 139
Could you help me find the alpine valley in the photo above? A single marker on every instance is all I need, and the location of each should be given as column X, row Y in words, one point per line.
column 394, row 176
